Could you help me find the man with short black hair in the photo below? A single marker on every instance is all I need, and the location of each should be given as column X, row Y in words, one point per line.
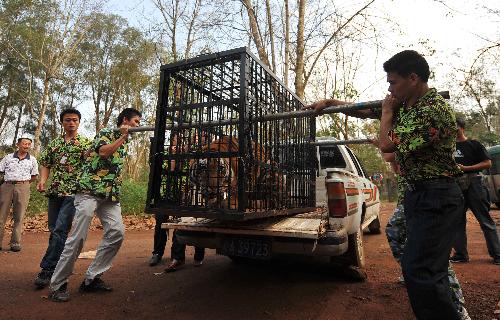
column 64, row 158
column 18, row 169
column 99, row 193
column 419, row 126
column 472, row 157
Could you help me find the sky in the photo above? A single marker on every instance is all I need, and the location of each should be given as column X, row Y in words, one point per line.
column 455, row 27
column 456, row 31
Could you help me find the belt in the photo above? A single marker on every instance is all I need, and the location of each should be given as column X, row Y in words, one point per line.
column 423, row 184
column 17, row 182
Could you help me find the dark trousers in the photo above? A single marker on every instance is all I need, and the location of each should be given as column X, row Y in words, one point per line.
column 161, row 235
column 476, row 198
column 178, row 251
column 60, row 217
column 432, row 214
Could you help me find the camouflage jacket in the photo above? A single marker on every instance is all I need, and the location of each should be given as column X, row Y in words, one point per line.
column 65, row 161
column 424, row 135
column 102, row 177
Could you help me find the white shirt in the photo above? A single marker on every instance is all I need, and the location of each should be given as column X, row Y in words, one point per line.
column 18, row 170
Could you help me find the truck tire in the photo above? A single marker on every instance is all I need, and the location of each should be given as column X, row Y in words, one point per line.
column 355, row 255
column 374, row 226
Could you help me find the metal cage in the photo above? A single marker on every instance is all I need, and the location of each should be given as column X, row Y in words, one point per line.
column 219, row 158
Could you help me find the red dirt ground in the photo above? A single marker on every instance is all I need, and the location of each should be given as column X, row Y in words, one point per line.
column 221, row 289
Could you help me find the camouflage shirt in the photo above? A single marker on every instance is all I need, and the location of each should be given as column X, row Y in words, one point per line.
column 401, row 182
column 424, row 135
column 102, row 177
column 65, row 161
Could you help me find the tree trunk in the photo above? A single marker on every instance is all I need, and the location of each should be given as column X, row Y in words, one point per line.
column 271, row 35
column 18, row 124
column 7, row 99
column 43, row 108
column 287, row 43
column 254, row 30
column 299, row 62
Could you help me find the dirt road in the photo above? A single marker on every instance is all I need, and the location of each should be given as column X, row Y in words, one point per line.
column 221, row 289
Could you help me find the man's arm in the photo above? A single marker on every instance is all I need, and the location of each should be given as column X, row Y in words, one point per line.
column 389, row 106
column 389, row 156
column 44, row 175
column 322, row 104
column 485, row 164
column 105, row 151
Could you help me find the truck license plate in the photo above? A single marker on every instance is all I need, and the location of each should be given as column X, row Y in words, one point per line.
column 244, row 247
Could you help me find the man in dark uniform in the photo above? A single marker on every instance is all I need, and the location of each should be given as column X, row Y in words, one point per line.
column 472, row 157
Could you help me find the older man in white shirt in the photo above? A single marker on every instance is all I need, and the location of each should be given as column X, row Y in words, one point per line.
column 18, row 170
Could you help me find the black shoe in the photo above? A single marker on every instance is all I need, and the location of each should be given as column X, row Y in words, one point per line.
column 15, row 248
column 96, row 285
column 43, row 279
column 155, row 259
column 496, row 261
column 458, row 259
column 61, row 294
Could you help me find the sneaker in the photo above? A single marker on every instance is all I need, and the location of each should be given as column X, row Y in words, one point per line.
column 155, row 259
column 174, row 265
column 96, row 285
column 401, row 280
column 61, row 294
column 496, row 261
column 458, row 259
column 197, row 263
column 15, row 248
column 43, row 279
column 464, row 315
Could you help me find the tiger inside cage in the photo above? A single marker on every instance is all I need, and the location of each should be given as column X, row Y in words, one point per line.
column 214, row 153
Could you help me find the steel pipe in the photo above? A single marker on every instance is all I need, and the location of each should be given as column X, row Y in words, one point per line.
column 279, row 116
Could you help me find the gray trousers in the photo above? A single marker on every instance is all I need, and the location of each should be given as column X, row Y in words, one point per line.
column 17, row 196
column 109, row 213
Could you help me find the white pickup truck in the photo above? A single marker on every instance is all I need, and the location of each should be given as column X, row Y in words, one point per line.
column 348, row 203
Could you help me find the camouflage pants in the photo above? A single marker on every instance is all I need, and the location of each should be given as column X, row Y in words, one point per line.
column 396, row 236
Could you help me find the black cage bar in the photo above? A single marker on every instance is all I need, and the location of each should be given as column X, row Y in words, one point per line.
column 239, row 169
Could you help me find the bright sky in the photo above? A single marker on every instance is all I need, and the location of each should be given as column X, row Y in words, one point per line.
column 459, row 28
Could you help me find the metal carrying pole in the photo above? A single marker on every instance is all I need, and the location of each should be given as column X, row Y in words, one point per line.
column 279, row 116
column 340, row 142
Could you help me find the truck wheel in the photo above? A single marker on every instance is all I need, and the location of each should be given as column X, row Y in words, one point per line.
column 355, row 255
column 374, row 226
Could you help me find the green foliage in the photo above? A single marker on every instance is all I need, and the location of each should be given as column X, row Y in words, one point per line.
column 38, row 202
column 133, row 196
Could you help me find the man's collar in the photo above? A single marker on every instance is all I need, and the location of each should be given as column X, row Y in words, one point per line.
column 17, row 156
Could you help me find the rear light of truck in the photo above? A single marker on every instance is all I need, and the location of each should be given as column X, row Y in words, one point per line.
column 337, row 202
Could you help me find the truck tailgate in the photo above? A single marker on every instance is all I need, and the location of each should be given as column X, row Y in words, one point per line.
column 306, row 228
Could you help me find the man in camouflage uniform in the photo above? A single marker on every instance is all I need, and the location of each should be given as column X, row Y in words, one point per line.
column 99, row 192
column 64, row 158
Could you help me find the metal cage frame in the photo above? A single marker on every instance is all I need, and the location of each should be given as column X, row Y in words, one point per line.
column 214, row 156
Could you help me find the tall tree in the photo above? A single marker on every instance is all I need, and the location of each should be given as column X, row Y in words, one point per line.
column 65, row 29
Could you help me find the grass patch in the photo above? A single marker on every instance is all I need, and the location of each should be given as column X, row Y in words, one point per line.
column 38, row 202
column 133, row 198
